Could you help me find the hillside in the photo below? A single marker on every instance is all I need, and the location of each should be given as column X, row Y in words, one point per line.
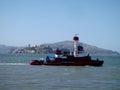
column 87, row 48
column 5, row 49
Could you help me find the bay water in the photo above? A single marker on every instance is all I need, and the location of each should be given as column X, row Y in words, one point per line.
column 17, row 74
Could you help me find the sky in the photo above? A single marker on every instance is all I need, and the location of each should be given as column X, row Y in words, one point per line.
column 24, row 22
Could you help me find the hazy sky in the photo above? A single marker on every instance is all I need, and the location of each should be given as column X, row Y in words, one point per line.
column 24, row 22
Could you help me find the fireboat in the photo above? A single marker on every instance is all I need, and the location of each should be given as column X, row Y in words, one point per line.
column 75, row 58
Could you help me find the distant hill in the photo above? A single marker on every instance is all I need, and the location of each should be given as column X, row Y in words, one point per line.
column 5, row 49
column 87, row 48
column 66, row 44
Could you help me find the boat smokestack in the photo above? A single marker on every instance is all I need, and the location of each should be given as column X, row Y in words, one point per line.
column 76, row 40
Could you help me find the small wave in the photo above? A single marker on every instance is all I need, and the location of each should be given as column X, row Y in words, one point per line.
column 14, row 64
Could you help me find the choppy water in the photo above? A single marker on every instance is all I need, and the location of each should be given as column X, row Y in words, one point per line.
column 17, row 74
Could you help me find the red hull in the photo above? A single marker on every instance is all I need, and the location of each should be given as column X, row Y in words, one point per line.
column 69, row 61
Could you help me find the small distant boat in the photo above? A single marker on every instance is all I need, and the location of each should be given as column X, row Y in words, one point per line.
column 75, row 58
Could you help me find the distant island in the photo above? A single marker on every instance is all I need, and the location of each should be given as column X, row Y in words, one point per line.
column 40, row 49
column 49, row 48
